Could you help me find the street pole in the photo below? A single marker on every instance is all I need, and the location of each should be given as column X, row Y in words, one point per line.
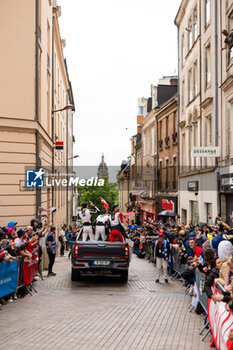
column 67, row 162
column 216, row 100
column 38, row 163
column 52, row 114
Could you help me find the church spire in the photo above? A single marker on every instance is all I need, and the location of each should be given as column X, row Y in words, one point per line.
column 102, row 169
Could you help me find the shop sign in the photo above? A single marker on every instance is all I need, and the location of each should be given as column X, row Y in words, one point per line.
column 193, row 186
column 148, row 168
column 205, row 152
column 136, row 191
column 59, row 146
column 168, row 205
column 226, row 183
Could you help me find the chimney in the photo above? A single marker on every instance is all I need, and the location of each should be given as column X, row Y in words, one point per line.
column 174, row 81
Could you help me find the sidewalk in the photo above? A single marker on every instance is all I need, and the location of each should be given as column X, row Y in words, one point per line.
column 102, row 314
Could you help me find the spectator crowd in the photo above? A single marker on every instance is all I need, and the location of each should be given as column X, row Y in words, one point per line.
column 26, row 244
column 203, row 247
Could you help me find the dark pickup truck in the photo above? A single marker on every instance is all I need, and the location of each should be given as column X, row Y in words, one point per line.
column 100, row 258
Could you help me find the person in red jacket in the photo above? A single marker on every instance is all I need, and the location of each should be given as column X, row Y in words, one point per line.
column 116, row 225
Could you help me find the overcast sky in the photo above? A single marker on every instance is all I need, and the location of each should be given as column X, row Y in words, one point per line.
column 115, row 50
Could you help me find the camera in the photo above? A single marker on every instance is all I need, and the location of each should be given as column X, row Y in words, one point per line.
column 39, row 225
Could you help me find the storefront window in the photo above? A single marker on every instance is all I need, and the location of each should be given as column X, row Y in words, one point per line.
column 194, row 212
column 208, row 211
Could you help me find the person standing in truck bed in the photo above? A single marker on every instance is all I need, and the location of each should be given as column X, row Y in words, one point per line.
column 116, row 225
column 100, row 226
column 85, row 216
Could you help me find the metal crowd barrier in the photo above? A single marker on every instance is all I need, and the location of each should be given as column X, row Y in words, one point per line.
column 200, row 277
column 176, row 265
column 20, row 277
column 200, row 281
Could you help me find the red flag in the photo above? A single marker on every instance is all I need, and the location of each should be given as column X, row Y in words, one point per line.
column 105, row 204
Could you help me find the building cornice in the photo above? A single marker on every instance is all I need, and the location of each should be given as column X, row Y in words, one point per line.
column 168, row 105
column 147, row 119
column 206, row 102
column 25, row 126
column 181, row 12
column 227, row 83
column 58, row 39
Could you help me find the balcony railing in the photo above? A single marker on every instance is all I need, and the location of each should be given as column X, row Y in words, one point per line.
column 167, row 141
column 160, row 143
column 174, row 138
column 167, row 186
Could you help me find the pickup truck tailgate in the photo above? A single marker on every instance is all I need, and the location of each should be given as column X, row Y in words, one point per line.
column 101, row 249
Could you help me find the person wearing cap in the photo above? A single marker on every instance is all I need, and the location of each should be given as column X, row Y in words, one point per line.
column 12, row 224
column 162, row 252
column 116, row 225
column 86, row 218
column 72, row 239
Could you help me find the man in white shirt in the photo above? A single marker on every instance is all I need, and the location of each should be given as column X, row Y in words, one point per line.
column 62, row 240
column 20, row 243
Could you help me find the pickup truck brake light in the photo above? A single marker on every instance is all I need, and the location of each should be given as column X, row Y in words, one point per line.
column 126, row 252
column 76, row 251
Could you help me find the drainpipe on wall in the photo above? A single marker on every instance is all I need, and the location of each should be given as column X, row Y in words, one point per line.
column 38, row 162
column 52, row 114
column 221, row 112
column 200, row 77
column 157, row 160
column 67, row 160
column 128, row 189
column 178, row 111
column 216, row 95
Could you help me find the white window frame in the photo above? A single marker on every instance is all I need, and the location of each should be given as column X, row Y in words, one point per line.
column 207, row 12
column 195, row 24
column 207, row 65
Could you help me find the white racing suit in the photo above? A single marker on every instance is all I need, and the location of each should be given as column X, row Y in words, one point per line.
column 100, row 227
column 85, row 216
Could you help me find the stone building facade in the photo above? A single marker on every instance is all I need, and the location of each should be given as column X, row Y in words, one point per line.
column 34, row 89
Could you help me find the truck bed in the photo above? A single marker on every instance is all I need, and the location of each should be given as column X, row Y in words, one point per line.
column 98, row 257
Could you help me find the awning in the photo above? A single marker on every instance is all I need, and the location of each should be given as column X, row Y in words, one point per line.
column 130, row 213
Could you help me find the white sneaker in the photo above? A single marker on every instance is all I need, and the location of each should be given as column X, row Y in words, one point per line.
column 15, row 297
column 10, row 300
column 191, row 290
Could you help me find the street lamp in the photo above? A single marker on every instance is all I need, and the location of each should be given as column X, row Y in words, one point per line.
column 63, row 109
column 67, row 107
column 76, row 156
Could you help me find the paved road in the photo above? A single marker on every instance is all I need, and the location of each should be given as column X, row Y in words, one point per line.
column 102, row 314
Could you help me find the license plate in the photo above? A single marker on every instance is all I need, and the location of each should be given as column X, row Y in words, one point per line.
column 101, row 262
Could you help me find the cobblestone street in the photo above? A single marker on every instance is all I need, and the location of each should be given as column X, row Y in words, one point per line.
column 101, row 313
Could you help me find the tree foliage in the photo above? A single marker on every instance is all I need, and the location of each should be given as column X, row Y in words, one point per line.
column 108, row 192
